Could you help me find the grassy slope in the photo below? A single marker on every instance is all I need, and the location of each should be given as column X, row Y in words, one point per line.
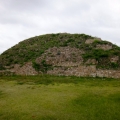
column 59, row 98
column 30, row 49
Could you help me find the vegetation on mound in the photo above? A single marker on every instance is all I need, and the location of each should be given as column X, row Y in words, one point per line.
column 2, row 67
column 43, row 66
column 30, row 49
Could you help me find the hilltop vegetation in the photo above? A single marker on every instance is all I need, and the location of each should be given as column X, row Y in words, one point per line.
column 103, row 52
column 34, row 47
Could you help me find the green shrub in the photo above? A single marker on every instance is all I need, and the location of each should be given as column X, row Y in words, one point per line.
column 70, row 40
column 84, row 36
column 96, row 54
column 64, row 44
column 114, row 65
column 100, row 42
column 43, row 66
column 36, row 66
column 97, row 42
column 1, row 67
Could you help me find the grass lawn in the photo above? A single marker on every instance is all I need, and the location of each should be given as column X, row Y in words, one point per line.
column 59, row 98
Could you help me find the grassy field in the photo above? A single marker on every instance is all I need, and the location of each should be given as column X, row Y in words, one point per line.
column 59, row 98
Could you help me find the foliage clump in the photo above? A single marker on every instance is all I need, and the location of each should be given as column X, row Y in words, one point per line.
column 42, row 67
column 2, row 67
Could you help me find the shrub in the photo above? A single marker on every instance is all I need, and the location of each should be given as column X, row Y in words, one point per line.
column 96, row 54
column 64, row 44
column 43, row 66
column 70, row 40
column 1, row 67
column 114, row 65
column 36, row 66
column 100, row 42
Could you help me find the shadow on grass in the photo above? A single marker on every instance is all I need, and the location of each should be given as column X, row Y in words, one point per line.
column 98, row 107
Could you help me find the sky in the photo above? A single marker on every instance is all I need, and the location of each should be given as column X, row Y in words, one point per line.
column 22, row 19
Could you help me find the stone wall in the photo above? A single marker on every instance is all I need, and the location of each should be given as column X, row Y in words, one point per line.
column 70, row 71
column 85, row 71
column 114, row 59
column 6, row 73
column 108, row 73
column 81, row 70
column 91, row 61
column 89, row 41
column 104, row 47
column 62, row 56
column 65, row 61
column 27, row 69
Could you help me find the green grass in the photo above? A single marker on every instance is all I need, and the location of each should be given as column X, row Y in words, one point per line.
column 59, row 98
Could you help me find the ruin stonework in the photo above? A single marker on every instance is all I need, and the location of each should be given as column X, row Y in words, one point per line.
column 104, row 47
column 67, row 61
column 27, row 69
column 62, row 54
column 80, row 71
column 89, row 41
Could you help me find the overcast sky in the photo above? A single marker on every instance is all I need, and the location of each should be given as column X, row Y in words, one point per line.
column 22, row 19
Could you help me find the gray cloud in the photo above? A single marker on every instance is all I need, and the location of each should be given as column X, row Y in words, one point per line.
column 20, row 19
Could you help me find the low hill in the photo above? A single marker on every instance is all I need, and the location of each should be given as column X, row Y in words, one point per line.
column 62, row 54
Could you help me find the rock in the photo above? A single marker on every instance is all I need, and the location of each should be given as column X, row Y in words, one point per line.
column 104, row 46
